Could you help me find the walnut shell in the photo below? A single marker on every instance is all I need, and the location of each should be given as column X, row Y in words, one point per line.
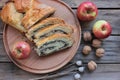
column 92, row 65
column 87, row 36
column 100, row 52
column 96, row 43
column 86, row 50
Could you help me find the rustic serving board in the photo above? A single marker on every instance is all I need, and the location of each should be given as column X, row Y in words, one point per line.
column 34, row 63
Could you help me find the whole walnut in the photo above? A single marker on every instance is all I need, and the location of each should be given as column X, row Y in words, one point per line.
column 100, row 52
column 87, row 36
column 86, row 50
column 92, row 65
column 96, row 43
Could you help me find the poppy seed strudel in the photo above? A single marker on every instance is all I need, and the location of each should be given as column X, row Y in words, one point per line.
column 57, row 28
column 43, row 24
column 36, row 13
column 53, row 44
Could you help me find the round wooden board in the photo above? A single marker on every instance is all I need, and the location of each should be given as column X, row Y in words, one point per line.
column 39, row 65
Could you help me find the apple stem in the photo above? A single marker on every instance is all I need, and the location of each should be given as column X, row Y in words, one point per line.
column 88, row 11
column 19, row 51
column 103, row 28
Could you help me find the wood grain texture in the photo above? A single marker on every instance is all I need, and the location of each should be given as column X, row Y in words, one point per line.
column 3, row 55
column 99, row 3
column 1, row 26
column 103, row 72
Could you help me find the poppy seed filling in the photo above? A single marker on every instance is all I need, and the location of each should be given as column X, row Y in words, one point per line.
column 43, row 48
column 48, row 34
column 54, row 31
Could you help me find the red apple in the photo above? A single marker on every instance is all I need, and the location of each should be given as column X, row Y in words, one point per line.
column 21, row 50
column 102, row 29
column 87, row 11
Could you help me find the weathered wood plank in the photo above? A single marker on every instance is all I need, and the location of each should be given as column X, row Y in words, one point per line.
column 3, row 55
column 99, row 3
column 1, row 33
column 112, row 50
column 111, row 46
column 104, row 71
column 1, row 26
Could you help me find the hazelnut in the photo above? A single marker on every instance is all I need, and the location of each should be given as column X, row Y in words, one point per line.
column 87, row 36
column 86, row 50
column 92, row 65
column 96, row 43
column 100, row 52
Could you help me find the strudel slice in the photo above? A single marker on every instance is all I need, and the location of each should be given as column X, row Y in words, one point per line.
column 45, row 23
column 53, row 44
column 36, row 13
column 23, row 5
column 10, row 16
column 57, row 28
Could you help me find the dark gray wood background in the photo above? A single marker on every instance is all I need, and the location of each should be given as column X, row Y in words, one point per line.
column 108, row 66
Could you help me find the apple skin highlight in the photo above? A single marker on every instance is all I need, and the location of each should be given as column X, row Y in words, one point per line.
column 102, row 29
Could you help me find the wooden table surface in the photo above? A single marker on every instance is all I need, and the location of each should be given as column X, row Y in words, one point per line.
column 108, row 66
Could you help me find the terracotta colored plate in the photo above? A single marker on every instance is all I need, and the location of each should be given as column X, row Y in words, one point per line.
column 34, row 63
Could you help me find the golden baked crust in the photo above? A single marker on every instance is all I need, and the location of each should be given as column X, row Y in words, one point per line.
column 53, row 44
column 46, row 22
column 10, row 16
column 18, row 5
column 58, row 35
column 62, row 28
column 35, row 13
column 22, row 5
